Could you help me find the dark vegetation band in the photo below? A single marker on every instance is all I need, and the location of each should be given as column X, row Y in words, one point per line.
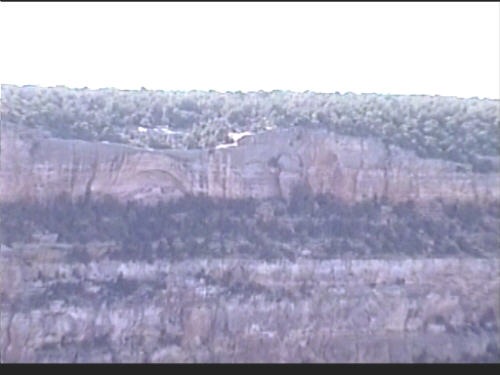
column 269, row 229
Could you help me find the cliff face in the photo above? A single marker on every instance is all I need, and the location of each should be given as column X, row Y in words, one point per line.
column 92, row 302
column 56, row 308
column 262, row 165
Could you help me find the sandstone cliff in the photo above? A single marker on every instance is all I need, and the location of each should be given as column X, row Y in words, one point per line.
column 262, row 165
column 233, row 310
column 93, row 302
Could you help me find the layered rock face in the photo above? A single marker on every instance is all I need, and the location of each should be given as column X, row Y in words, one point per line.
column 58, row 309
column 263, row 165
column 67, row 302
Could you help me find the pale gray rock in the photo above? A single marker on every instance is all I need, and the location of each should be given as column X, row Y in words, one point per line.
column 272, row 164
column 165, row 319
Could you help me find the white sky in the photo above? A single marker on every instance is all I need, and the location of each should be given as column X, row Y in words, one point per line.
column 396, row 48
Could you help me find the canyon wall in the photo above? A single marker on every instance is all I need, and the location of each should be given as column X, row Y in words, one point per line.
column 58, row 309
column 73, row 302
column 262, row 165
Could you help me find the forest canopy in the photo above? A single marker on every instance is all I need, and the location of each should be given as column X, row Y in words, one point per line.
column 450, row 128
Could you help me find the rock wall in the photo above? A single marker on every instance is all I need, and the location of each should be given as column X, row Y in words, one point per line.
column 262, row 165
column 58, row 309
column 60, row 303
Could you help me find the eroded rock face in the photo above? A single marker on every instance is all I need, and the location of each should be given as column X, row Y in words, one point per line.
column 264, row 165
column 66, row 303
column 236, row 310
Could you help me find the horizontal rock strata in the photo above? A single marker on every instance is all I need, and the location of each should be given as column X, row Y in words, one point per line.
column 234, row 310
column 59, row 303
column 263, row 165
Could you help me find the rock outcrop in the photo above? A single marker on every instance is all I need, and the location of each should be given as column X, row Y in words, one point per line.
column 261, row 165
column 92, row 302
column 57, row 309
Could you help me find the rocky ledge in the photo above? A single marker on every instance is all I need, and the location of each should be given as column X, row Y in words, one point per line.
column 270, row 164
column 233, row 310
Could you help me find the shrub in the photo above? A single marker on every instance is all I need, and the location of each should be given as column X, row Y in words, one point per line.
column 462, row 130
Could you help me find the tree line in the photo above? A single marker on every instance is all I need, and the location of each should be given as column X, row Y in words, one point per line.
column 461, row 130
